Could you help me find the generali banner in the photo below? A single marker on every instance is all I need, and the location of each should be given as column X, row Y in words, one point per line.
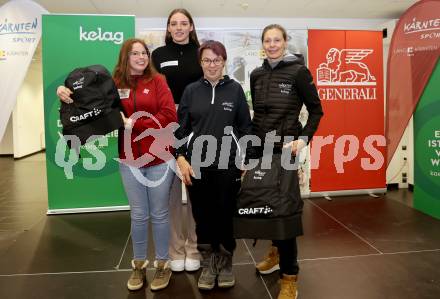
column 347, row 152
column 413, row 54
column 20, row 32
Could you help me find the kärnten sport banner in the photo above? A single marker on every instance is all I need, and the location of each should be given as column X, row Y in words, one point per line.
column 92, row 182
column 348, row 150
column 413, row 86
column 20, row 33
column 413, row 54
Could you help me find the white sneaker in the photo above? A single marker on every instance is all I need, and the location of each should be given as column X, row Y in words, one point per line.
column 177, row 265
column 192, row 264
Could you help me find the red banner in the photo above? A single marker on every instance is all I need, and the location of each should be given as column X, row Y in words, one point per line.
column 414, row 51
column 347, row 152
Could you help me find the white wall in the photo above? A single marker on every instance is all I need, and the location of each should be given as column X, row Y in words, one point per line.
column 259, row 23
column 28, row 114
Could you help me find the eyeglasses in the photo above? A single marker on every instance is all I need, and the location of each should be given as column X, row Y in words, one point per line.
column 138, row 54
column 216, row 61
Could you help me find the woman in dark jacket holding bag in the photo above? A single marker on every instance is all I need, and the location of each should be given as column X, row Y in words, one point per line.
column 279, row 88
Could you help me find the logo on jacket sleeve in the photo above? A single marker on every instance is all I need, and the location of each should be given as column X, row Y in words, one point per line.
column 78, row 83
column 228, row 106
column 285, row 88
column 259, row 175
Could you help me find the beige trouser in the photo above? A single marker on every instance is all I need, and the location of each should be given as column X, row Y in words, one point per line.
column 181, row 245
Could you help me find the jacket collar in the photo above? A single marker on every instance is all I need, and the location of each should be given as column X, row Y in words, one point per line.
column 226, row 79
column 180, row 47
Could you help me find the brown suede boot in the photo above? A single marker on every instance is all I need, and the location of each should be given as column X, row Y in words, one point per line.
column 289, row 288
column 138, row 276
column 270, row 262
column 162, row 276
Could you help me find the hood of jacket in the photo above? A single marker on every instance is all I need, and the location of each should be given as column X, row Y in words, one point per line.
column 287, row 59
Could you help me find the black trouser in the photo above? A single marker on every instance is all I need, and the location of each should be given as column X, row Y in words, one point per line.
column 213, row 200
column 288, row 252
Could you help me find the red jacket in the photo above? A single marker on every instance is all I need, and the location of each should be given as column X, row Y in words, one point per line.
column 152, row 96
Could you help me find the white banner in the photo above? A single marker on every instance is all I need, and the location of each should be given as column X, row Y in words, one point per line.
column 20, row 32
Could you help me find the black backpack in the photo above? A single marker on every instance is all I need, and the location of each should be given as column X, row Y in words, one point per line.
column 96, row 105
column 269, row 205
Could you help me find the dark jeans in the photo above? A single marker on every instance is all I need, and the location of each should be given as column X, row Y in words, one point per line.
column 213, row 200
column 288, row 251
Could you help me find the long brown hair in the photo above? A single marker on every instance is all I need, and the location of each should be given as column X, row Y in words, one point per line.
column 192, row 35
column 121, row 73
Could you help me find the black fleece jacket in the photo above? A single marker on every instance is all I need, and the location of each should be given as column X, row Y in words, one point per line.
column 179, row 64
column 207, row 110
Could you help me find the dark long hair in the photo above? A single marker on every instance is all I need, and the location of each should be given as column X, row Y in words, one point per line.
column 192, row 35
column 121, row 73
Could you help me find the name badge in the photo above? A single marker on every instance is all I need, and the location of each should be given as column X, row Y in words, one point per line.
column 169, row 63
column 124, row 93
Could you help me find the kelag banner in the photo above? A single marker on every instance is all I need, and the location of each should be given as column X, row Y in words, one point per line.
column 20, row 32
column 92, row 182
column 413, row 54
column 347, row 152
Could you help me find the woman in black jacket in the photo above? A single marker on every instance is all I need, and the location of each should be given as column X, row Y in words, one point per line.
column 213, row 114
column 279, row 88
column 178, row 61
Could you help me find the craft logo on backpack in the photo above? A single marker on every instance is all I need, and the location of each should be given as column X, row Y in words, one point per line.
column 96, row 105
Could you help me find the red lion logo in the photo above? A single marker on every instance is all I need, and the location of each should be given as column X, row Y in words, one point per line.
column 344, row 66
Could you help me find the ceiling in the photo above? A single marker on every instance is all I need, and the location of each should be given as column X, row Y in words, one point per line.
column 366, row 9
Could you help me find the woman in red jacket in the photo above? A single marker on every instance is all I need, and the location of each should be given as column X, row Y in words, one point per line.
column 147, row 104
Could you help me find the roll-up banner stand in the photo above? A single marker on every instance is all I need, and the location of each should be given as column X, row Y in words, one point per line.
column 348, row 150
column 413, row 83
column 92, row 182
column 427, row 148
